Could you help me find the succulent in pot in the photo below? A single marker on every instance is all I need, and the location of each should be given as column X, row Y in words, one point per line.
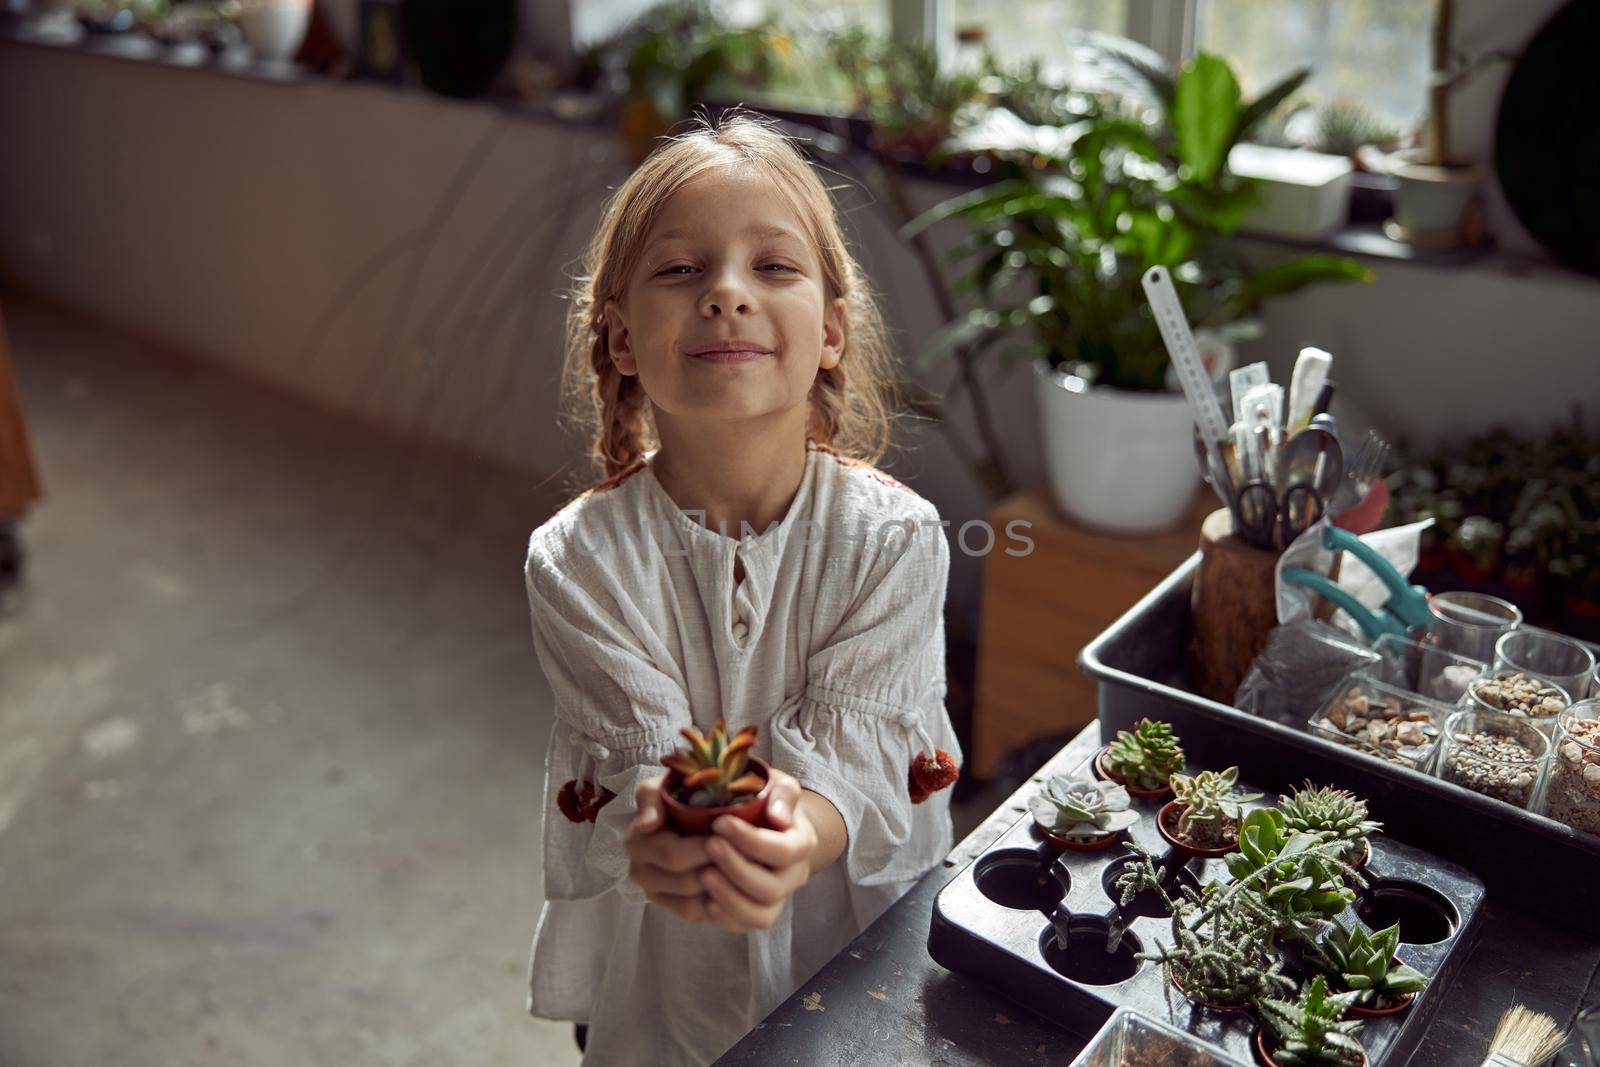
column 1310, row 1029
column 1081, row 814
column 1299, row 874
column 1143, row 759
column 1365, row 963
column 1203, row 819
column 1336, row 813
column 714, row 775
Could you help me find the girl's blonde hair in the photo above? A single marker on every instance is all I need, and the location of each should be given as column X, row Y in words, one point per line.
column 849, row 404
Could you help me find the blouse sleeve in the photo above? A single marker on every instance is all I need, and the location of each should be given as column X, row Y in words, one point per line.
column 617, row 713
column 874, row 700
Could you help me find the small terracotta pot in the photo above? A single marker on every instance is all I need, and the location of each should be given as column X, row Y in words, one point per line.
column 1177, row 983
column 1265, row 1055
column 1169, row 812
column 1105, row 775
column 1366, row 854
column 692, row 822
column 1378, row 1013
column 1099, row 844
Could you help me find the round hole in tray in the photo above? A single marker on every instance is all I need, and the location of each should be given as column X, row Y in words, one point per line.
column 1019, row 878
column 1145, row 902
column 1085, row 959
column 1424, row 915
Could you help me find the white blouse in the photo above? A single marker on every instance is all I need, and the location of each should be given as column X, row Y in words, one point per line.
column 832, row 645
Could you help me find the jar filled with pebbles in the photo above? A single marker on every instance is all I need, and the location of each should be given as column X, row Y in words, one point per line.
column 1520, row 695
column 1382, row 720
column 1494, row 754
column 1573, row 795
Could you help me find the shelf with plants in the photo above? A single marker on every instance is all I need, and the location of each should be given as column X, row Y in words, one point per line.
column 1299, row 933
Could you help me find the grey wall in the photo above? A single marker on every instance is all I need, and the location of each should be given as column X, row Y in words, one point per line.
column 296, row 233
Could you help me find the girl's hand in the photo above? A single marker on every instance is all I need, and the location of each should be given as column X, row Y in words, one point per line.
column 663, row 863
column 755, row 869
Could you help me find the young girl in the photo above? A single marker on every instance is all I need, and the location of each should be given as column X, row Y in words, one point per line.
column 750, row 566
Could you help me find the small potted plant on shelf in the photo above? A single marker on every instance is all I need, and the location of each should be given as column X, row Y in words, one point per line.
column 1299, row 874
column 1309, row 1029
column 1082, row 815
column 1144, row 760
column 1221, row 952
column 1336, row 813
column 715, row 776
column 1365, row 963
column 1203, row 819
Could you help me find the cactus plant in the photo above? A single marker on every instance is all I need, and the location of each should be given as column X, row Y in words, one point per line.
column 713, row 768
column 1082, row 810
column 1299, row 874
column 1338, row 813
column 1146, row 757
column 1366, row 963
column 1311, row 1028
column 1209, row 808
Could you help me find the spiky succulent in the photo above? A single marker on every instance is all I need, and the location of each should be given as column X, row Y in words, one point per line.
column 1299, row 874
column 1338, row 813
column 1147, row 756
column 1312, row 1028
column 1081, row 809
column 1211, row 808
column 1363, row 962
column 714, row 768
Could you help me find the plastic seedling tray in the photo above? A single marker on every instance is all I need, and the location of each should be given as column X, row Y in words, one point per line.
column 1525, row 859
column 1003, row 918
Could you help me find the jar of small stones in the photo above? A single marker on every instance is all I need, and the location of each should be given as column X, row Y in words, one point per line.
column 1520, row 696
column 1494, row 754
column 1382, row 720
column 1572, row 795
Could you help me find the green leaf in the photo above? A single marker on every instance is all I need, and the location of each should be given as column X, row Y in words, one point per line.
column 1205, row 111
column 1295, row 274
column 1267, row 103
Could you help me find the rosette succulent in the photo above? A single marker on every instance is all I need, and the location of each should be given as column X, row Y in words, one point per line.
column 1337, row 813
column 1211, row 809
column 713, row 768
column 1363, row 962
column 1079, row 809
column 1146, row 757
column 1312, row 1028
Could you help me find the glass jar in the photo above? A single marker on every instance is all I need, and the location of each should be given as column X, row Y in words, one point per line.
column 1559, row 660
column 1424, row 668
column 1382, row 720
column 1493, row 754
column 1520, row 696
column 1572, row 793
column 1469, row 624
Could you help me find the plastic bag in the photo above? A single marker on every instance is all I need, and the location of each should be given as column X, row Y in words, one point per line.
column 1295, row 674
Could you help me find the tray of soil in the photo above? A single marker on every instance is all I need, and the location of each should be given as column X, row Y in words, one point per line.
column 1205, row 947
column 1139, row 665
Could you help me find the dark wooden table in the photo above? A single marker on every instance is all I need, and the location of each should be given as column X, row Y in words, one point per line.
column 883, row 1000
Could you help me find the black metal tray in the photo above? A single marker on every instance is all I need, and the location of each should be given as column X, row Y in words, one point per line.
column 997, row 920
column 1529, row 861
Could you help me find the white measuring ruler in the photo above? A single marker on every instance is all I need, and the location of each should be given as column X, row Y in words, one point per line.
column 1185, row 355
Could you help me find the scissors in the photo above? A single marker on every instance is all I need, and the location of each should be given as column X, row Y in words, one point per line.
column 1309, row 468
column 1405, row 613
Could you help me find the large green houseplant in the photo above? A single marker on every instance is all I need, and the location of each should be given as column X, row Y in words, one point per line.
column 1057, row 248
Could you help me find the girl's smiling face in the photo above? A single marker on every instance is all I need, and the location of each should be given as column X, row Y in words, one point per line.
column 727, row 263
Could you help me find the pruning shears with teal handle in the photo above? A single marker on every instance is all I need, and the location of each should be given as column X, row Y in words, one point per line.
column 1404, row 614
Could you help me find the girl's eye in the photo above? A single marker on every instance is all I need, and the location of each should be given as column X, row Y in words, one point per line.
column 782, row 266
column 680, row 266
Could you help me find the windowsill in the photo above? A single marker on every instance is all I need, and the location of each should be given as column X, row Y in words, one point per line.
column 1363, row 240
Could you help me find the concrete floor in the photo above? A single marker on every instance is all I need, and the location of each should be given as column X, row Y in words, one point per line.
column 271, row 730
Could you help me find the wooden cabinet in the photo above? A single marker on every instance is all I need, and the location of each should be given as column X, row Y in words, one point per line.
column 1039, row 610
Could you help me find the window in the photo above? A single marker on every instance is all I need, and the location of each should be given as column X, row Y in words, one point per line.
column 1372, row 52
column 1025, row 29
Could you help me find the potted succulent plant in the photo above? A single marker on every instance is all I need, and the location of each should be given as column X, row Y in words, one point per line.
column 1334, row 813
column 1310, row 1029
column 1060, row 242
column 1203, row 818
column 1144, row 759
column 1221, row 952
column 1080, row 814
column 1365, row 963
column 715, row 776
column 1298, row 873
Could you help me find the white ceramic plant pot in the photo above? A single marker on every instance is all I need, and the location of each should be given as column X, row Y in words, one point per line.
column 274, row 29
column 1430, row 203
column 1117, row 461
